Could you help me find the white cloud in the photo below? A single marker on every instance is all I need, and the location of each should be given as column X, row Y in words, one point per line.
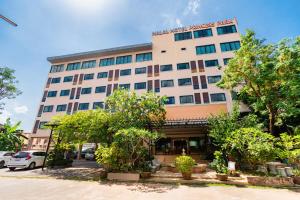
column 192, row 7
column 21, row 109
column 178, row 22
column 4, row 115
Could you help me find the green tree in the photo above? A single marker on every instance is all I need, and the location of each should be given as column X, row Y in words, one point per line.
column 8, row 83
column 269, row 77
column 127, row 152
column 221, row 126
column 131, row 110
column 9, row 137
column 251, row 145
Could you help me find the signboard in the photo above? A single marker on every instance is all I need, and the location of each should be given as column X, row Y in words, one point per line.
column 194, row 27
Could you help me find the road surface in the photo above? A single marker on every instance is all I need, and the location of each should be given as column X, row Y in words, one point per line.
column 12, row 188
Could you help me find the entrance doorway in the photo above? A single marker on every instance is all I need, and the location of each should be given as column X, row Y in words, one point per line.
column 179, row 145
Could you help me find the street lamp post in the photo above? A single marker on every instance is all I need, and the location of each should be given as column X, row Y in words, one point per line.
column 52, row 126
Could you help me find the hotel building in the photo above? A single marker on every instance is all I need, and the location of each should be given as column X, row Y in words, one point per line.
column 183, row 64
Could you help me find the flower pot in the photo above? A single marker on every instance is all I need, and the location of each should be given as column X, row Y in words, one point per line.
column 281, row 171
column 145, row 175
column 288, row 171
column 296, row 180
column 187, row 175
column 222, row 177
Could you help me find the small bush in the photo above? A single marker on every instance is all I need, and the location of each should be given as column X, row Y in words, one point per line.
column 219, row 163
column 184, row 164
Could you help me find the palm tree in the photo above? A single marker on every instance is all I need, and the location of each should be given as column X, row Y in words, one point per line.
column 9, row 137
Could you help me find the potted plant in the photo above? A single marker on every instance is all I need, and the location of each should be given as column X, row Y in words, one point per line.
column 145, row 170
column 219, row 165
column 296, row 177
column 185, row 164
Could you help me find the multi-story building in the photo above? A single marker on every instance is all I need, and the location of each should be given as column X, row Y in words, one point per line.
column 183, row 64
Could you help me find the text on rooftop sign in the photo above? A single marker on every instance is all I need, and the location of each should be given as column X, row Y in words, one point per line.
column 194, row 27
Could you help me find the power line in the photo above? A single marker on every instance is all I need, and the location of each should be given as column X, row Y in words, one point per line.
column 8, row 20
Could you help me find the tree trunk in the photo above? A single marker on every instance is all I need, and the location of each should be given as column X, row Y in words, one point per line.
column 272, row 116
column 79, row 151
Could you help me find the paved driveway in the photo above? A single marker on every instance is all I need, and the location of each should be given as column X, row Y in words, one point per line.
column 54, row 189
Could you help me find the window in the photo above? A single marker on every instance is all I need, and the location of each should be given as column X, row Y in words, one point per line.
column 170, row 100
column 184, row 81
column 88, row 76
column 124, row 59
column 61, row 108
column 125, row 72
column 88, row 64
column 139, row 86
column 167, row 83
column 143, row 57
column 203, row 33
column 52, row 94
column 125, row 86
column 226, row 29
column 68, row 78
column 140, row 70
column 41, row 125
column 102, row 75
column 164, row 68
column 56, row 68
column 186, row 99
column 230, row 46
column 183, row 36
column 55, row 80
column 181, row 66
column 211, row 63
column 163, row 51
column 213, row 79
column 183, row 49
column 100, row 89
column 217, row 97
column 86, row 90
column 83, row 106
column 73, row 66
column 48, row 109
column 64, row 92
column 226, row 60
column 107, row 62
column 205, row 49
column 98, row 105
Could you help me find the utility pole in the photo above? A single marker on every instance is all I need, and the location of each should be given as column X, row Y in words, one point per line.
column 8, row 20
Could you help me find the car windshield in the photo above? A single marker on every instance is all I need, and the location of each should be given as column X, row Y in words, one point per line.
column 21, row 155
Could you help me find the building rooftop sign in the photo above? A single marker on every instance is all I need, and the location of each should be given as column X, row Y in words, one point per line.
column 195, row 27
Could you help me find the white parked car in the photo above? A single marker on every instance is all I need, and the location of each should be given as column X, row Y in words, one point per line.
column 4, row 157
column 26, row 159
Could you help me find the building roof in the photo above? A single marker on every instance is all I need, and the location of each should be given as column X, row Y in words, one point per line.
column 102, row 52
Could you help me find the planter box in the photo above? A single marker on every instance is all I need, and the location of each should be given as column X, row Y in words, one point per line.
column 270, row 181
column 123, row 176
column 200, row 168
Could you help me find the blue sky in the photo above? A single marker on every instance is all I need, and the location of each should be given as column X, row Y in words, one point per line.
column 55, row 27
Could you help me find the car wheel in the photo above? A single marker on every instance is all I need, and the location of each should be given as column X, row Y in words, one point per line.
column 11, row 168
column 31, row 166
column 2, row 164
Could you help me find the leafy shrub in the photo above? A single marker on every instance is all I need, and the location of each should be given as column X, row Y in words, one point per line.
column 127, row 152
column 184, row 164
column 252, row 145
column 219, row 163
column 57, row 156
column 288, row 148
